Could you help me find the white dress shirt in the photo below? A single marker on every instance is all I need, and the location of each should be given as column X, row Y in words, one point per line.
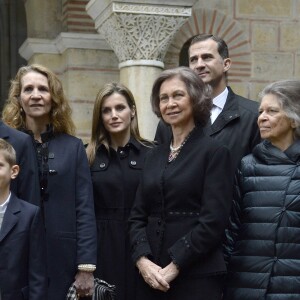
column 218, row 105
column 3, row 208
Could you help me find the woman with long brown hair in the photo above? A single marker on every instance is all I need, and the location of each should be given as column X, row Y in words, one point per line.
column 116, row 154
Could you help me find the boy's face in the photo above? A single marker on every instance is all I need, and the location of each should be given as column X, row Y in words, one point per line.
column 7, row 173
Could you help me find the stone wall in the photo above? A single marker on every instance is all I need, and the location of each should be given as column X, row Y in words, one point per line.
column 263, row 38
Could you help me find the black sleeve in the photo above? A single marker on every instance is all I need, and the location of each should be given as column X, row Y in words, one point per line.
column 231, row 232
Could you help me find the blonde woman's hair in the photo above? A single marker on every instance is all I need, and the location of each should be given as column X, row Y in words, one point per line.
column 60, row 114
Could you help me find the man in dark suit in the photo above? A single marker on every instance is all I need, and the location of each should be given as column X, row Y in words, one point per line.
column 26, row 185
column 22, row 238
column 233, row 118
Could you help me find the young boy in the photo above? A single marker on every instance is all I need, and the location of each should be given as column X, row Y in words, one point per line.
column 22, row 244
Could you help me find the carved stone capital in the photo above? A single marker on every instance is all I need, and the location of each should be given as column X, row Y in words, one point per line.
column 140, row 31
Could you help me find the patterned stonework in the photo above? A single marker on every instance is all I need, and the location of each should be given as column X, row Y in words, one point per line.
column 143, row 9
column 152, row 9
column 140, row 31
column 140, row 37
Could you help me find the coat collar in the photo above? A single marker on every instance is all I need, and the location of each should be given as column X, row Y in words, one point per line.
column 268, row 154
column 132, row 143
column 164, row 148
column 4, row 131
column 229, row 113
column 10, row 217
column 45, row 136
column 103, row 157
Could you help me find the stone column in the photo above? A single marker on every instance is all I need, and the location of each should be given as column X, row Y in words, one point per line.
column 139, row 34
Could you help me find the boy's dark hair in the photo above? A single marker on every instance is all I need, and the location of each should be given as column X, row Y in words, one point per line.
column 8, row 152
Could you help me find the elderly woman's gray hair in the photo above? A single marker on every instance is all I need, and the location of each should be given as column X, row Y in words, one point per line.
column 199, row 92
column 288, row 95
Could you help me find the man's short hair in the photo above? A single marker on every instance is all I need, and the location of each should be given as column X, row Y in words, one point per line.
column 222, row 46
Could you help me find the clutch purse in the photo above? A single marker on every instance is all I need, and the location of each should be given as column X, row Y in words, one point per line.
column 102, row 291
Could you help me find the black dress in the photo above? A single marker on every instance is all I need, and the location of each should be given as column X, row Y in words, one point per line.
column 115, row 177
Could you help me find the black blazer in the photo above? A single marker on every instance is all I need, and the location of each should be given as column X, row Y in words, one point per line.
column 235, row 127
column 182, row 208
column 22, row 252
column 26, row 185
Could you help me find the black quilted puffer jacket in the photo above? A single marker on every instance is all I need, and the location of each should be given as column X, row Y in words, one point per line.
column 263, row 240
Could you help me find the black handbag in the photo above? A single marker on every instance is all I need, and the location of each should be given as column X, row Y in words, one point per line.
column 102, row 291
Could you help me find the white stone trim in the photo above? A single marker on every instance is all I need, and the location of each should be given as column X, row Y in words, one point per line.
column 141, row 62
column 62, row 42
column 152, row 9
column 142, row 9
column 31, row 46
column 94, row 7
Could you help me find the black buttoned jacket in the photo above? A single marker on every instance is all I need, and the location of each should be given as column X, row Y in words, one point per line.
column 181, row 208
column 115, row 177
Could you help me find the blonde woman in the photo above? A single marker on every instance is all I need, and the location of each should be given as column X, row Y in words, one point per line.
column 37, row 105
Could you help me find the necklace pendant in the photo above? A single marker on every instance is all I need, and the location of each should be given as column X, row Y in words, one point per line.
column 175, row 148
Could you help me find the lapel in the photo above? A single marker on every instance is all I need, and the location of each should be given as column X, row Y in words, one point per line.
column 229, row 113
column 10, row 217
column 4, row 133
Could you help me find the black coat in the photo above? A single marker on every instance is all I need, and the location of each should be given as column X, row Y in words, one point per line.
column 115, row 178
column 22, row 253
column 26, row 185
column 264, row 235
column 235, row 127
column 181, row 209
column 69, row 213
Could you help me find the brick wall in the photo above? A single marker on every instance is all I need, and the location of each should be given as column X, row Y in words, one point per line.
column 75, row 17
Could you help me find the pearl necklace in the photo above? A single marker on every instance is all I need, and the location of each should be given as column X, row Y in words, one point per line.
column 176, row 148
column 175, row 151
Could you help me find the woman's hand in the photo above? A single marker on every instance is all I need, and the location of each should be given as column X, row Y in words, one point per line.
column 151, row 274
column 170, row 272
column 84, row 283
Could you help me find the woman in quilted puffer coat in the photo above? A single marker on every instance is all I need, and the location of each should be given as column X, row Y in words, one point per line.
column 263, row 240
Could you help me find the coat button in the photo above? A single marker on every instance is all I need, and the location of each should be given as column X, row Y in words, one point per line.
column 102, row 165
column 133, row 163
column 157, row 232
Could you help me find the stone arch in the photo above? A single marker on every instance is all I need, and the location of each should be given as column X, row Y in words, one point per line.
column 217, row 23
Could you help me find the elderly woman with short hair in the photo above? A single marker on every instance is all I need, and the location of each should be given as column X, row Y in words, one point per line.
column 184, row 198
column 263, row 239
